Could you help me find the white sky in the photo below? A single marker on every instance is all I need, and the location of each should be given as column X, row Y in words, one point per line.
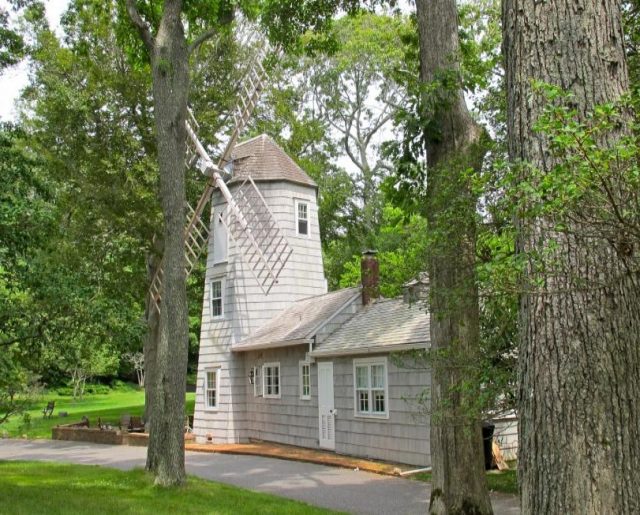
column 13, row 79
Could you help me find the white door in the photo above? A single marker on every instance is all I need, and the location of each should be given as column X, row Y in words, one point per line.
column 326, row 406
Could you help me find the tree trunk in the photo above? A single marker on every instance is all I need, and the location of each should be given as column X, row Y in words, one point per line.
column 453, row 144
column 150, row 350
column 579, row 352
column 169, row 63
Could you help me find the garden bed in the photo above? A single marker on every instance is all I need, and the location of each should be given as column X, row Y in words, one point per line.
column 81, row 433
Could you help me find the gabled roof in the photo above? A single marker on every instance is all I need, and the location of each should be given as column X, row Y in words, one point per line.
column 264, row 160
column 385, row 325
column 299, row 322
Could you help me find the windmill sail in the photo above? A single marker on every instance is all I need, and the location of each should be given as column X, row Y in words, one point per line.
column 250, row 222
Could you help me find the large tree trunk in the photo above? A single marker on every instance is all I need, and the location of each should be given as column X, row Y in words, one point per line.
column 453, row 144
column 579, row 349
column 170, row 89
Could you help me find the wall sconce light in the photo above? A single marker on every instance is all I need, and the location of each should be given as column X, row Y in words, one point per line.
column 251, row 375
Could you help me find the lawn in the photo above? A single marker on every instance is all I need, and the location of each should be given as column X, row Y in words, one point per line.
column 49, row 488
column 108, row 407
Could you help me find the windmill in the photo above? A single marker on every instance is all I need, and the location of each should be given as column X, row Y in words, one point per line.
column 250, row 222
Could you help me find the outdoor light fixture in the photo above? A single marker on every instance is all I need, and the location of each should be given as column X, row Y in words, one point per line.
column 251, row 375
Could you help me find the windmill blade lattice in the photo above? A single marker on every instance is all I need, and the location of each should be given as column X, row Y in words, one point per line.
column 264, row 248
column 250, row 222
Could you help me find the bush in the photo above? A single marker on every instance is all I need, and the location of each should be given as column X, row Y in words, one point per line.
column 119, row 384
column 64, row 391
column 99, row 389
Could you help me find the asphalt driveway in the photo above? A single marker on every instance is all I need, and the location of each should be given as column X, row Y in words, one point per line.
column 336, row 488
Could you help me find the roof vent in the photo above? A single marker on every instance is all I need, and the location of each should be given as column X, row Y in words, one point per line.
column 416, row 290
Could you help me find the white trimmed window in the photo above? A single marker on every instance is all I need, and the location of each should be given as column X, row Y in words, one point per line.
column 371, row 388
column 305, row 380
column 257, row 382
column 217, row 298
column 271, row 380
column 211, row 387
column 302, row 218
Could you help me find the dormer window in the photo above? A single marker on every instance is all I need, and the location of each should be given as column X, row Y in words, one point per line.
column 302, row 218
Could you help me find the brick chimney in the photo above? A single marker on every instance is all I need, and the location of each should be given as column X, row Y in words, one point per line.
column 370, row 276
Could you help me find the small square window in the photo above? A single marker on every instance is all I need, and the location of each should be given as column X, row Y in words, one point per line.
column 302, row 218
column 217, row 298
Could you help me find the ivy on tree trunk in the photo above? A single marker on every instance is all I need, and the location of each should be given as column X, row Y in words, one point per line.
column 454, row 146
column 580, row 306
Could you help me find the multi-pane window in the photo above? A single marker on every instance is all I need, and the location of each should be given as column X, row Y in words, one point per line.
column 305, row 380
column 217, row 307
column 302, row 218
column 371, row 387
column 271, row 380
column 211, row 388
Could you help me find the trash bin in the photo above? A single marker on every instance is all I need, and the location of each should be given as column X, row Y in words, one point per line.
column 487, row 441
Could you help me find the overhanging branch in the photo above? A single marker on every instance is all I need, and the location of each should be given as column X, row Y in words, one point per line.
column 140, row 24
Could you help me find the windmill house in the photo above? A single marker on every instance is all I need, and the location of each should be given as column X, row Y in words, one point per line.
column 292, row 363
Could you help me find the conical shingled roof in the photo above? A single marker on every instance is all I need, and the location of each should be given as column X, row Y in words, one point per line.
column 264, row 160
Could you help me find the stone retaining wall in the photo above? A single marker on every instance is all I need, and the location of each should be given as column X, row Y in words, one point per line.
column 73, row 432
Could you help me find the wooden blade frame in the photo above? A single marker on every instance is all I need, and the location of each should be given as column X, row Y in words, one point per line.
column 265, row 257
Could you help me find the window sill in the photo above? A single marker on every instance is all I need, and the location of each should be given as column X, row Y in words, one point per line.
column 272, row 396
column 374, row 416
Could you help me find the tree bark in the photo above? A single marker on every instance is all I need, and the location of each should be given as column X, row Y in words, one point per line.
column 453, row 142
column 169, row 65
column 579, row 353
column 150, row 349
column 170, row 91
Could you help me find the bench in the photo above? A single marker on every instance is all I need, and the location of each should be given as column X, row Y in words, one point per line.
column 48, row 410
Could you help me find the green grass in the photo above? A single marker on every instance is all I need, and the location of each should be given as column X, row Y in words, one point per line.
column 505, row 481
column 48, row 488
column 108, row 407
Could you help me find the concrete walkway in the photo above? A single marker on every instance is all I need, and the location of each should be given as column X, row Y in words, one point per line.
column 341, row 489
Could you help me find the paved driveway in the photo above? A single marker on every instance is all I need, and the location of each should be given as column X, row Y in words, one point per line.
column 340, row 489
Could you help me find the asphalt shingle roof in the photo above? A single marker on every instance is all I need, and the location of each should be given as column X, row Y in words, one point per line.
column 386, row 323
column 299, row 321
column 264, row 160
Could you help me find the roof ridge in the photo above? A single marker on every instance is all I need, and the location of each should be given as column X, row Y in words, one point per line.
column 263, row 135
column 328, row 293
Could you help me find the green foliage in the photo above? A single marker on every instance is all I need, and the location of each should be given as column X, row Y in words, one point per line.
column 591, row 189
column 401, row 246
column 51, row 488
column 11, row 43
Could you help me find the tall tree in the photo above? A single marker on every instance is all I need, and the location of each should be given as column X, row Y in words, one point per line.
column 580, row 306
column 453, row 144
column 168, row 52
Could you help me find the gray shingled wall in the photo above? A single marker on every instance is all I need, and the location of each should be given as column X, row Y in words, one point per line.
column 247, row 308
column 403, row 437
column 288, row 420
